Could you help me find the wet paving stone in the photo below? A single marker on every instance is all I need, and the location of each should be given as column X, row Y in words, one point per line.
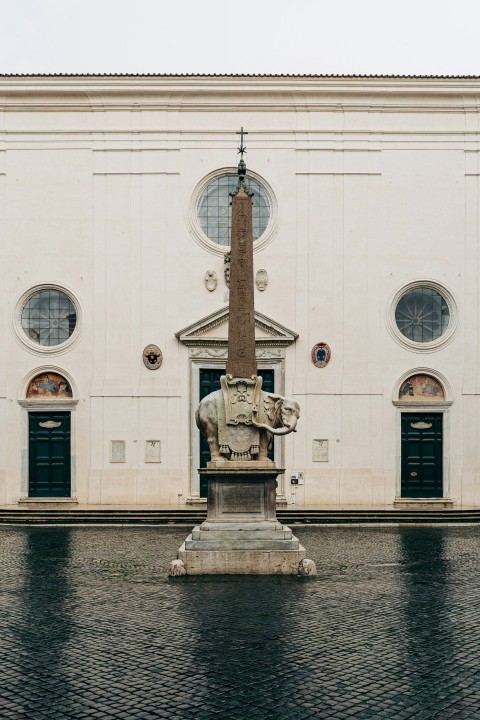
column 91, row 627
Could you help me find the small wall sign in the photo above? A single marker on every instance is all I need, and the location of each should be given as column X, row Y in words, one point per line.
column 152, row 451
column 321, row 354
column 117, row 451
column 320, row 451
column 152, row 357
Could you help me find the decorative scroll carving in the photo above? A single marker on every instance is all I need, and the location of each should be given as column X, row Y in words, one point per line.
column 240, row 395
column 49, row 424
column 270, row 353
column 226, row 269
column 421, row 425
column 208, row 352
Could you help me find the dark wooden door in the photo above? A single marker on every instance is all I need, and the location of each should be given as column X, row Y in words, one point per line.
column 210, row 381
column 49, row 454
column 422, row 454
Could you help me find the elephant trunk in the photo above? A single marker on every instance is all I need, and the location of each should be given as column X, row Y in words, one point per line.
column 284, row 430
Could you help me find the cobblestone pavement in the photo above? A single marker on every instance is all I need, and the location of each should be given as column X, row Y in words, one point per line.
column 91, row 627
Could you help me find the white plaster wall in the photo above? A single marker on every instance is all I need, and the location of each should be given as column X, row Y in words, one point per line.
column 376, row 186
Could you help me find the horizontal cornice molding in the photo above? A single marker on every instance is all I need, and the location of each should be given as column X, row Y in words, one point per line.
column 275, row 93
column 343, row 103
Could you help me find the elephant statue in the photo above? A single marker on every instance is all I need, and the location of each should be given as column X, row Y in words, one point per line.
column 250, row 438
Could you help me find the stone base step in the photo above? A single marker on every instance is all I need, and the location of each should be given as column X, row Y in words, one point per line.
column 219, row 535
column 188, row 516
column 241, row 562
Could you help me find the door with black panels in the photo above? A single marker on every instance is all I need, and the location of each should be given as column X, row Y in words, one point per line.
column 422, row 455
column 49, row 454
column 210, row 381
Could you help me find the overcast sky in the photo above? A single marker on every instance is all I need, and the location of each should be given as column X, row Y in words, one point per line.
column 228, row 36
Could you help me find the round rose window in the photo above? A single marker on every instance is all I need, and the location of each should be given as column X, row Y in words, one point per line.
column 214, row 209
column 48, row 317
column 422, row 314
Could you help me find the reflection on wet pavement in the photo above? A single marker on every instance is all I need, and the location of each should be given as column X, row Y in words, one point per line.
column 91, row 627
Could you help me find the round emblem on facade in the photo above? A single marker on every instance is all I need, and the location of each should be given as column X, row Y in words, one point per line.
column 152, row 357
column 261, row 280
column 321, row 354
column 210, row 280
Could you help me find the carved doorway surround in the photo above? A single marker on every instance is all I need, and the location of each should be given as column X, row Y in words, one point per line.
column 419, row 392
column 49, row 394
column 206, row 341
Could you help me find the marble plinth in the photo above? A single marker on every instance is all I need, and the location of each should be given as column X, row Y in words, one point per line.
column 241, row 535
column 242, row 562
column 241, row 491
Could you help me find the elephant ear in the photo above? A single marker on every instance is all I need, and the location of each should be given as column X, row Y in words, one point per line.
column 269, row 405
column 273, row 407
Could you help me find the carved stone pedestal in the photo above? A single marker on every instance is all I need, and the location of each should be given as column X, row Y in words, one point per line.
column 241, row 535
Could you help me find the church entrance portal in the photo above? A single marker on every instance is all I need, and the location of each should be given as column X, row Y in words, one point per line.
column 210, row 381
column 49, row 454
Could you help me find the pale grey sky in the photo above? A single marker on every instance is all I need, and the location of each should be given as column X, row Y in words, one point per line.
column 227, row 36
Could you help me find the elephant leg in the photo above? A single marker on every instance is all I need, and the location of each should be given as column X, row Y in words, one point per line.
column 214, row 447
column 207, row 422
column 265, row 442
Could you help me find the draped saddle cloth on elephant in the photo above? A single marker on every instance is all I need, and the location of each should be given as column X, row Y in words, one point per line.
column 237, row 436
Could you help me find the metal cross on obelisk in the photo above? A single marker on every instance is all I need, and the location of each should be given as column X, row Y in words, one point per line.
column 241, row 361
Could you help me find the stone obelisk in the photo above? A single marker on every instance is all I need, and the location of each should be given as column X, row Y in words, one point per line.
column 241, row 534
column 241, row 361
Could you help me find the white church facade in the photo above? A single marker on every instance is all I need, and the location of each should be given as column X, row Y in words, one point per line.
column 114, row 225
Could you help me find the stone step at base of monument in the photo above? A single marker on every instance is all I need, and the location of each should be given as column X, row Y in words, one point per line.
column 241, row 562
column 241, row 536
column 216, row 533
column 242, row 525
column 241, row 544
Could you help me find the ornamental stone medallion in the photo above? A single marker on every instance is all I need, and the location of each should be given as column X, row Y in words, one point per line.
column 211, row 280
column 261, row 280
column 152, row 357
column 321, row 354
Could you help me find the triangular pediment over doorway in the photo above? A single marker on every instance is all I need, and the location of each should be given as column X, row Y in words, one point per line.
column 212, row 331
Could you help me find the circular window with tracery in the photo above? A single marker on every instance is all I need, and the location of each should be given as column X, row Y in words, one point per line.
column 211, row 210
column 215, row 209
column 47, row 318
column 423, row 315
